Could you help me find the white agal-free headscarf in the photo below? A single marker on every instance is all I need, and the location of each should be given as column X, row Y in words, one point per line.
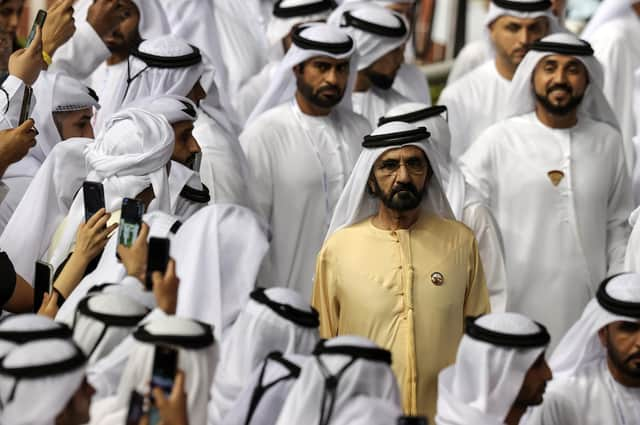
column 581, row 346
column 38, row 379
column 273, row 319
column 311, row 41
column 102, row 321
column 490, row 367
column 607, row 11
column 289, row 13
column 197, row 358
column 218, row 263
column 357, row 367
column 22, row 328
column 376, row 31
column 521, row 98
column 130, row 155
column 355, row 204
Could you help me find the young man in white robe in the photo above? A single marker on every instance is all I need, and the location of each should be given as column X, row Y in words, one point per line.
column 613, row 31
column 596, row 366
column 477, row 100
column 380, row 36
column 554, row 175
column 301, row 144
column 500, row 371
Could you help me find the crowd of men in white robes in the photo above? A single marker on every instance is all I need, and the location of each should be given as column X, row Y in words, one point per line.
column 341, row 251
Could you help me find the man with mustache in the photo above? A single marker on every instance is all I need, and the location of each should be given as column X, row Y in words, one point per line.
column 476, row 100
column 396, row 268
column 380, row 36
column 302, row 142
column 596, row 366
column 553, row 173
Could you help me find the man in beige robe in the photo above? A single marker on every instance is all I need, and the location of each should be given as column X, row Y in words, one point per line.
column 396, row 267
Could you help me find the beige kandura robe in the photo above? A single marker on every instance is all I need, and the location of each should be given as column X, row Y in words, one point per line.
column 407, row 290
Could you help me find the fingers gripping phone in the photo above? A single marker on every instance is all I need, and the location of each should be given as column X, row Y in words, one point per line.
column 157, row 259
column 41, row 283
column 28, row 91
column 130, row 221
column 38, row 22
column 93, row 198
column 163, row 374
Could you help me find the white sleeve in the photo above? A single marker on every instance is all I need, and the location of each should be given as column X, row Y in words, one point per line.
column 11, row 97
column 82, row 54
column 4, row 190
column 480, row 220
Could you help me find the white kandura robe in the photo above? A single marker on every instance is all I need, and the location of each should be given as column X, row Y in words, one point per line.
column 290, row 153
column 374, row 103
column 250, row 93
column 616, row 46
column 412, row 83
column 474, row 103
column 560, row 241
column 632, row 256
column 472, row 55
column 591, row 397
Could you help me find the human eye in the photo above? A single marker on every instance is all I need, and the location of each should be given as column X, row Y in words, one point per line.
column 390, row 165
column 415, row 165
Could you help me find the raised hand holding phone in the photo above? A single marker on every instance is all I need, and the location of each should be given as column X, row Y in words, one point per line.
column 41, row 284
column 157, row 259
column 93, row 193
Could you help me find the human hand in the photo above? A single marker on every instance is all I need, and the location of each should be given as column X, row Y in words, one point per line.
column 104, row 16
column 15, row 144
column 93, row 236
column 134, row 258
column 26, row 64
column 165, row 288
column 58, row 27
column 173, row 410
column 49, row 307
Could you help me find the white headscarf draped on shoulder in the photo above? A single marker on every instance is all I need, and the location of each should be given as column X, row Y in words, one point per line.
column 607, row 11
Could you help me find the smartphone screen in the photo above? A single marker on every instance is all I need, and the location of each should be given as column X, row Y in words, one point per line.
column 157, row 259
column 38, row 22
column 130, row 221
column 93, row 198
column 136, row 408
column 26, row 103
column 165, row 364
column 41, row 283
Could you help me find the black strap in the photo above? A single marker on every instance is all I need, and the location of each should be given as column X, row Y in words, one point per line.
column 518, row 6
column 108, row 319
column 307, row 44
column 370, row 27
column 618, row 307
column 535, row 340
column 395, row 139
column 176, row 226
column 93, row 94
column 563, row 48
column 191, row 342
column 199, row 196
column 330, row 389
column 303, row 10
column 307, row 319
column 419, row 115
column 77, row 361
column 155, row 61
column 61, row 331
column 357, row 352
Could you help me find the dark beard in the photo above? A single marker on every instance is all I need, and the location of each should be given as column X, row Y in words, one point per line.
column 621, row 363
column 403, row 197
column 314, row 96
column 380, row 81
column 560, row 110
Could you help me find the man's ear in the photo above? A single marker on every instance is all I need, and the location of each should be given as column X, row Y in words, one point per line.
column 297, row 70
column 603, row 335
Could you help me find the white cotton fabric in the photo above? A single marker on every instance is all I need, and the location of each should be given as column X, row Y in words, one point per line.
column 53, row 392
column 125, row 169
column 521, row 98
column 198, row 366
column 363, row 410
column 581, row 347
column 362, row 378
column 217, row 263
column 277, row 382
column 355, row 204
column 171, row 107
column 632, row 257
column 97, row 335
column 375, row 103
column 608, row 10
column 283, row 83
column 19, row 325
column 257, row 332
column 482, row 385
column 278, row 28
column 44, row 205
column 371, row 47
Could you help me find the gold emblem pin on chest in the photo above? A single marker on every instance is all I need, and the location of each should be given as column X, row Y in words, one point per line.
column 437, row 278
column 555, row 176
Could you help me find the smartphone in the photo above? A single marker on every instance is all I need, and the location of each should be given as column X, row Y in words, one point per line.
column 165, row 366
column 136, row 408
column 157, row 259
column 38, row 22
column 93, row 198
column 41, row 283
column 130, row 221
column 26, row 103
column 412, row 420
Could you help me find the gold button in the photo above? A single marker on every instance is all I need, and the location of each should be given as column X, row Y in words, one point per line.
column 437, row 278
